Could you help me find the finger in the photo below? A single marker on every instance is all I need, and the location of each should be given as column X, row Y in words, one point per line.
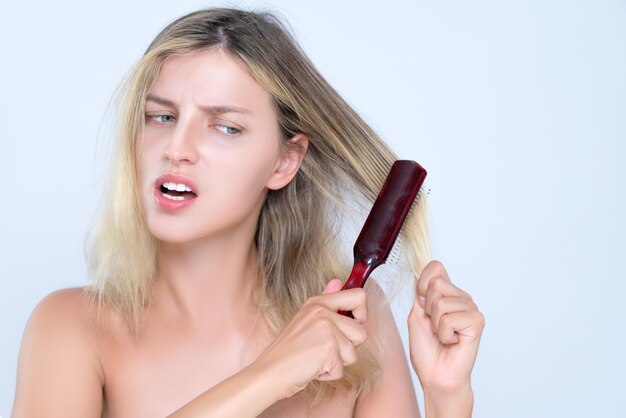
column 446, row 305
column 347, row 351
column 354, row 331
column 332, row 286
column 334, row 373
column 332, row 367
column 440, row 287
column 354, row 300
column 457, row 326
column 433, row 270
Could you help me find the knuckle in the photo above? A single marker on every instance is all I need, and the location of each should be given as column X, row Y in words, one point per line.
column 351, row 357
column 361, row 295
column 361, row 337
column 438, row 304
column 437, row 267
column 316, row 309
column 444, row 321
column 312, row 300
column 437, row 283
column 324, row 324
column 308, row 306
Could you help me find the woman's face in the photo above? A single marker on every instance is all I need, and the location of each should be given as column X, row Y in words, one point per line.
column 210, row 149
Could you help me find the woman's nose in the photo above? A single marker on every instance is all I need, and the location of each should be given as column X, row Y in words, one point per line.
column 176, row 157
column 182, row 145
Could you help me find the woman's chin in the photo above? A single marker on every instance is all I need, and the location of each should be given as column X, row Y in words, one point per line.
column 174, row 236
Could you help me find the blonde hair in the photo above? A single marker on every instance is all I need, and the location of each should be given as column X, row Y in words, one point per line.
column 296, row 236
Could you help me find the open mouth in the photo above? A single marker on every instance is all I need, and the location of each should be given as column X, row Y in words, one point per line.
column 177, row 191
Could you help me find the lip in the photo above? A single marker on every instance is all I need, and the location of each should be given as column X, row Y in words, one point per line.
column 168, row 204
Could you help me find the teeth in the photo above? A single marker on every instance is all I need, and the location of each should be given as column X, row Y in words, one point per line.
column 179, row 187
column 173, row 197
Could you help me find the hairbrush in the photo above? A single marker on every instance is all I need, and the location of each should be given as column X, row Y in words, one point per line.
column 384, row 222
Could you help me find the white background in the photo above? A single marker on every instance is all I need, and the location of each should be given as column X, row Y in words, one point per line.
column 516, row 108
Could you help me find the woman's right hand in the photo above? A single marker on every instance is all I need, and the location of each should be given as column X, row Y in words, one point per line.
column 318, row 342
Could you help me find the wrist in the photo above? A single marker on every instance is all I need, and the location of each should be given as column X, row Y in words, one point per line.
column 266, row 379
column 453, row 403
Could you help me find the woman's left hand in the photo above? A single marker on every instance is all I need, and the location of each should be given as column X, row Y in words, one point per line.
column 444, row 333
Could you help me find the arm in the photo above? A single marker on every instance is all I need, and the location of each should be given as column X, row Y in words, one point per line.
column 59, row 374
column 316, row 344
column 245, row 394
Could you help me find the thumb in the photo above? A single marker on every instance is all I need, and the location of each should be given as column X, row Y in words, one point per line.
column 332, row 286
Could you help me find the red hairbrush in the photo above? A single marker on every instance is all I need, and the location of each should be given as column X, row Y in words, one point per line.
column 384, row 222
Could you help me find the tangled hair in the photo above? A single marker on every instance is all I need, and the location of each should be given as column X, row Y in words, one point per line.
column 296, row 227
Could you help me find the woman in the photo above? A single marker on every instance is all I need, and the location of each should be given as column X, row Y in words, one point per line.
column 215, row 248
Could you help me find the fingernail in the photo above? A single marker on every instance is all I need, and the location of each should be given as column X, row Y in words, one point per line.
column 421, row 300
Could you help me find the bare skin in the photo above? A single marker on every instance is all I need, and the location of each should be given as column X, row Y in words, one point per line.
column 204, row 351
column 151, row 376
column 98, row 369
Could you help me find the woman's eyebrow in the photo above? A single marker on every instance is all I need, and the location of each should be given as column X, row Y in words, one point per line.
column 210, row 109
column 160, row 100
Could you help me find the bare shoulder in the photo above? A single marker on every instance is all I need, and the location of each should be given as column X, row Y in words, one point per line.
column 59, row 373
column 62, row 302
column 68, row 313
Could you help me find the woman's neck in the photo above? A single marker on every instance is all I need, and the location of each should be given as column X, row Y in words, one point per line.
column 205, row 280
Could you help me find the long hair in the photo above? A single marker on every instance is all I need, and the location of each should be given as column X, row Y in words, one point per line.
column 296, row 236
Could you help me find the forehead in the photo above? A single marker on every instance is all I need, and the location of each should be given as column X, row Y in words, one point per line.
column 210, row 78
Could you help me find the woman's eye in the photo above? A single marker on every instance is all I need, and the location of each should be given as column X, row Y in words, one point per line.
column 228, row 130
column 160, row 119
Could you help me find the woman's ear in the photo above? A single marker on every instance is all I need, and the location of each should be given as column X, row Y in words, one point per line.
column 292, row 154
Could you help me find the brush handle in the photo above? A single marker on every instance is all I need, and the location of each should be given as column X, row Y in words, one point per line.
column 384, row 222
column 358, row 276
